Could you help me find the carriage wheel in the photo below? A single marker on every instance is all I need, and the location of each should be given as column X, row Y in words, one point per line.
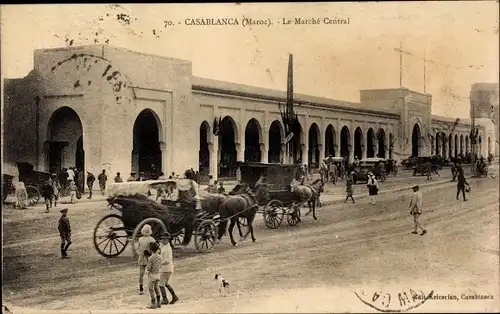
column 157, row 226
column 293, row 216
column 205, row 235
column 178, row 238
column 33, row 195
column 243, row 221
column 273, row 214
column 110, row 236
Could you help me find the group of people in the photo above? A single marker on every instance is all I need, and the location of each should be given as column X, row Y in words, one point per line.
column 155, row 258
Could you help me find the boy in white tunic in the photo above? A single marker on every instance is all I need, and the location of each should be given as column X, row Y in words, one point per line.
column 416, row 209
column 166, row 269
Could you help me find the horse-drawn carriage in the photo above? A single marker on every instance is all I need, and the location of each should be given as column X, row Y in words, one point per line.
column 138, row 206
column 278, row 179
column 33, row 181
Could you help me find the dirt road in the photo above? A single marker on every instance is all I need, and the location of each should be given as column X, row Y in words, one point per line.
column 315, row 266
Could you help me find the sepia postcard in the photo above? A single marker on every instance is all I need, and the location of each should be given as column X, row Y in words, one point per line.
column 250, row 157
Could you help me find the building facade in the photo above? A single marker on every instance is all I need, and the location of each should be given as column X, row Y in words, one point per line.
column 100, row 107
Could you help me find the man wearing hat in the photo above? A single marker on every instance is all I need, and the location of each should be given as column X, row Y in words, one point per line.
column 416, row 209
column 372, row 187
column 65, row 232
column 132, row 177
column 90, row 182
column 166, row 268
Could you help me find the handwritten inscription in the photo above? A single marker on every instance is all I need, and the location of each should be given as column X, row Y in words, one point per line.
column 85, row 64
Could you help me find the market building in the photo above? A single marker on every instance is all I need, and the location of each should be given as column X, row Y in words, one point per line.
column 101, row 107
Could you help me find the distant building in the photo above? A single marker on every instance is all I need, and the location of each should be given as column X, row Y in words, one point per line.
column 484, row 99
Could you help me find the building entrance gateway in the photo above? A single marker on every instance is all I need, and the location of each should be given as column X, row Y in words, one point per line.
column 227, row 147
column 146, row 153
column 370, row 143
column 275, row 141
column 314, row 152
column 204, row 152
column 381, row 143
column 64, row 146
column 415, row 141
column 252, row 141
column 330, row 142
column 358, row 143
column 345, row 145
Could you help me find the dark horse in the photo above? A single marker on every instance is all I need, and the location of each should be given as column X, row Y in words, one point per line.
column 244, row 205
column 309, row 194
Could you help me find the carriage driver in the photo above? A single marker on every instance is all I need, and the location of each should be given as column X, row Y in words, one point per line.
column 192, row 192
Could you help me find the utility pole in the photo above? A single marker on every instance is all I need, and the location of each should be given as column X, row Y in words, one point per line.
column 473, row 134
column 424, row 72
column 400, row 50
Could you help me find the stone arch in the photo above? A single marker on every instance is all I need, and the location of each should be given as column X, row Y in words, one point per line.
column 204, row 152
column 461, row 144
column 456, row 146
column 228, row 138
column 345, row 142
column 330, row 143
column 147, row 155
column 381, row 138
column 450, row 141
column 276, row 139
column 489, row 146
column 371, row 143
column 64, row 140
column 416, row 141
column 391, row 144
column 297, row 144
column 253, row 140
column 358, row 143
column 314, row 142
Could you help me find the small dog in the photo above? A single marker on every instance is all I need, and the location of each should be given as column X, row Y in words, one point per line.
column 223, row 285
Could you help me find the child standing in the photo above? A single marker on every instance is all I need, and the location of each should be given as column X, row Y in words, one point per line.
column 153, row 268
column 48, row 194
column 64, row 232
column 144, row 243
column 349, row 190
column 167, row 268
column 72, row 191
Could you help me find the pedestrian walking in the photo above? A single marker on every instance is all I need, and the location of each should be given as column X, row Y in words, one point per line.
column 349, row 189
column 56, row 187
column 333, row 173
column 21, row 195
column 153, row 268
column 118, row 178
column 72, row 191
column 65, row 232
column 167, row 268
column 461, row 185
column 453, row 169
column 143, row 247
column 90, row 183
column 48, row 194
column 342, row 171
column 428, row 170
column 416, row 209
column 372, row 187
column 71, row 174
column 102, row 178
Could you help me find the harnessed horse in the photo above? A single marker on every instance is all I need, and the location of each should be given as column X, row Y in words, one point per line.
column 309, row 194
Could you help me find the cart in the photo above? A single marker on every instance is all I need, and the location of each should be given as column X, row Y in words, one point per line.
column 33, row 180
column 137, row 203
column 278, row 178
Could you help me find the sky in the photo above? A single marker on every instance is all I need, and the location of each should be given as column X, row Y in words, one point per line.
column 460, row 40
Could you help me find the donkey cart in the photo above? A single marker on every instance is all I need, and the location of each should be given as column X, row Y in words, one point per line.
column 138, row 207
column 277, row 178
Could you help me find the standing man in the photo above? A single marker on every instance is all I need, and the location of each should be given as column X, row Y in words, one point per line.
column 71, row 174
column 102, row 178
column 416, row 209
column 461, row 185
column 372, row 187
column 65, row 232
column 118, row 178
column 453, row 170
column 90, row 183
column 132, row 177
column 428, row 170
